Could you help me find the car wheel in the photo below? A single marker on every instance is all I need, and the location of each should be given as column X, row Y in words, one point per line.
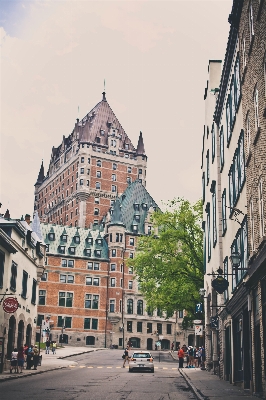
column 130, row 370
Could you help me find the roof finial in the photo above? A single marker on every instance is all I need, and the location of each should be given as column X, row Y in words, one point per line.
column 104, row 98
column 78, row 115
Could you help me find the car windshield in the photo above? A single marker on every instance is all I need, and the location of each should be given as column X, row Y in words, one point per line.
column 141, row 355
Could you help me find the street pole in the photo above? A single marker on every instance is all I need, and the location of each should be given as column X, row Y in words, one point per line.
column 40, row 339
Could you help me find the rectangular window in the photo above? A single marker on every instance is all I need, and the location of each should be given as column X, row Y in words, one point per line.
column 42, row 297
column 94, row 323
column 96, row 200
column 203, row 186
column 214, row 227
column 90, row 265
column 13, row 279
column 33, row 291
column 181, row 314
column 70, row 263
column 2, row 262
column 114, row 166
column 159, row 328
column 96, row 281
column 129, row 326
column 130, row 284
column 91, row 301
column 113, row 252
column 224, row 222
column 213, row 142
column 40, row 318
column 139, row 326
column 65, row 299
column 131, row 241
column 114, row 177
column 112, row 282
column 112, row 267
column 112, row 306
column 169, row 329
column 208, row 231
column 24, row 284
column 228, row 119
column 226, row 277
column 88, row 280
column 113, row 188
column 221, row 148
column 87, row 323
column 149, row 327
column 207, row 167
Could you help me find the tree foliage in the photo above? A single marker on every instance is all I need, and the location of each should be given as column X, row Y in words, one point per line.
column 169, row 267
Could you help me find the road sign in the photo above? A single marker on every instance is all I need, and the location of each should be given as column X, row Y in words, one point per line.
column 199, row 307
column 197, row 321
column 10, row 305
column 198, row 330
column 45, row 324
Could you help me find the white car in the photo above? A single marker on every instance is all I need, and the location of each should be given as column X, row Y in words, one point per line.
column 141, row 360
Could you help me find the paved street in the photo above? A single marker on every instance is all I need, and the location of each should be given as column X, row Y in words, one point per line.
column 99, row 375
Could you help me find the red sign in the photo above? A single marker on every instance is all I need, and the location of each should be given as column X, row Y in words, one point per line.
column 10, row 305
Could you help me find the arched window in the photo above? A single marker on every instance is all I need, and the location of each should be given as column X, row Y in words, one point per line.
column 140, row 307
column 130, row 306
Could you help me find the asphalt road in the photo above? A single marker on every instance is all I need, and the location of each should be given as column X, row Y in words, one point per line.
column 100, row 376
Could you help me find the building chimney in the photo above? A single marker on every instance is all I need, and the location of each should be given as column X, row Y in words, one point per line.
column 27, row 218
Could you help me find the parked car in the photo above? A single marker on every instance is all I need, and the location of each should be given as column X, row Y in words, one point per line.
column 141, row 360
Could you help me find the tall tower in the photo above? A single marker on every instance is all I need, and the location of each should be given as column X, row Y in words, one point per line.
column 88, row 170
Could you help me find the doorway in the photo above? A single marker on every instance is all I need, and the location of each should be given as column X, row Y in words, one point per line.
column 135, row 342
column 28, row 334
column 11, row 336
column 165, row 344
column 20, row 334
column 149, row 344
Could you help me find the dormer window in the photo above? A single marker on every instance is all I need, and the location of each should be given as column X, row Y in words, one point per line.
column 99, row 242
column 72, row 250
column 98, row 140
column 144, row 206
column 126, row 146
column 62, row 249
column 76, row 239
column 137, row 217
column 135, row 228
column 51, row 236
column 126, row 155
column 90, row 240
column 102, row 132
column 136, row 206
column 98, row 253
column 149, row 230
column 88, row 252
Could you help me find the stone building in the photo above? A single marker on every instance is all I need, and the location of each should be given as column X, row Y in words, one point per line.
column 235, row 320
column 22, row 255
column 252, row 39
column 93, row 205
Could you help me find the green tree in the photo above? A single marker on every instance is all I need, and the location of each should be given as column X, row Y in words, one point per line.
column 169, row 267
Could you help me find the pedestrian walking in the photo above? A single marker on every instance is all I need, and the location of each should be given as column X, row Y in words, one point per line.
column 126, row 356
column 47, row 346
column 21, row 359
column 14, row 361
column 190, row 356
column 25, row 348
column 54, row 347
column 203, row 357
column 35, row 356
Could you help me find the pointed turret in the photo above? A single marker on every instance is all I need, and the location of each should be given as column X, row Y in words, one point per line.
column 116, row 218
column 140, row 147
column 40, row 176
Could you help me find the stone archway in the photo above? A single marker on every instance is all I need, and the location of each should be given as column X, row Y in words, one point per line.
column 11, row 335
column 20, row 334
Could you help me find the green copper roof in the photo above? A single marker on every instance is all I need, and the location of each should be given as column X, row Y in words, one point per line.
column 135, row 204
column 81, row 248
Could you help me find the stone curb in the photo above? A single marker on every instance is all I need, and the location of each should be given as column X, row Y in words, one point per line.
column 190, row 384
column 8, row 378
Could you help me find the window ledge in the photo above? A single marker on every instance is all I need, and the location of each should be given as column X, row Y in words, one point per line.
column 248, row 157
column 256, row 136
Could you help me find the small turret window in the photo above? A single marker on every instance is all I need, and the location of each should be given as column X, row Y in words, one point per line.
column 114, row 166
column 98, row 253
column 137, row 217
column 113, row 188
column 102, row 132
column 136, row 206
column 77, row 239
column 126, row 146
column 126, row 155
column 88, row 252
column 99, row 242
column 51, row 236
column 96, row 211
column 98, row 185
column 98, row 174
column 72, row 250
column 113, row 177
column 99, row 163
column 82, row 159
column 62, row 249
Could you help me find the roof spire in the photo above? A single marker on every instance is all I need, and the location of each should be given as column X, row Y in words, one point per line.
column 140, row 147
column 40, row 176
column 103, row 93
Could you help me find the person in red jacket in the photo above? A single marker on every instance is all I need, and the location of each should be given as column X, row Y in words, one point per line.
column 181, row 355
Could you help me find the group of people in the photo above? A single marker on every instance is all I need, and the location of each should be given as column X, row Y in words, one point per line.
column 50, row 344
column 25, row 354
column 195, row 356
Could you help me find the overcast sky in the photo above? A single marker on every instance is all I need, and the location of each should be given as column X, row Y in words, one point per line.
column 154, row 58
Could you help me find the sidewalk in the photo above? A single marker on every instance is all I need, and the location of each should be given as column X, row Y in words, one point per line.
column 205, row 385
column 51, row 362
